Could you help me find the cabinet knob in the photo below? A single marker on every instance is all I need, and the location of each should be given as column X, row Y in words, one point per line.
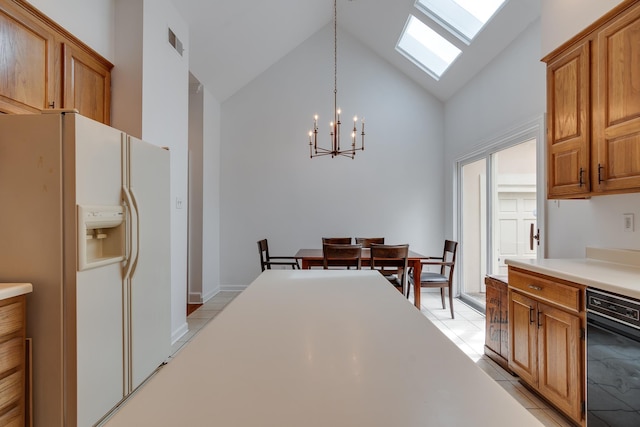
column 535, row 287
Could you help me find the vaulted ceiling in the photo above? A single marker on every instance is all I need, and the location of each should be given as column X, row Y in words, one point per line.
column 232, row 42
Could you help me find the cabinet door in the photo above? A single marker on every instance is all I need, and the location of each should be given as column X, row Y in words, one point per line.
column 523, row 359
column 86, row 84
column 568, row 109
column 27, row 57
column 559, row 364
column 616, row 147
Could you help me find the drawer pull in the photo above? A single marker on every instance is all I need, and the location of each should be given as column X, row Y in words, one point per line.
column 535, row 287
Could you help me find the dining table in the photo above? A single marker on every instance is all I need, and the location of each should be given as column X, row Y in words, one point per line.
column 318, row 348
column 314, row 258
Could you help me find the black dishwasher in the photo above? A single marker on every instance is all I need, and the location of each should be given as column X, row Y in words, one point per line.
column 613, row 360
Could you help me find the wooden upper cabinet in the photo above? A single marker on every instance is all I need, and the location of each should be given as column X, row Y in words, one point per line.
column 593, row 108
column 616, row 160
column 44, row 66
column 27, row 58
column 568, row 131
column 87, row 84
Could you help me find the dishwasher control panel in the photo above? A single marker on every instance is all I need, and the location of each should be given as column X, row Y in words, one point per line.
column 616, row 307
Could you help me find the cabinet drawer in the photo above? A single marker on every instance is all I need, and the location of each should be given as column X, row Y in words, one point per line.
column 546, row 290
column 11, row 317
column 11, row 389
column 11, row 354
column 12, row 418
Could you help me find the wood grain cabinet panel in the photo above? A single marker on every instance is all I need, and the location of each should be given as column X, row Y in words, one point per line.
column 593, row 107
column 545, row 336
column 617, row 119
column 87, row 84
column 568, row 109
column 496, row 344
column 27, row 58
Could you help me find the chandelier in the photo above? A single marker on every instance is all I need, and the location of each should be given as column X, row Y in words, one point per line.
column 335, row 150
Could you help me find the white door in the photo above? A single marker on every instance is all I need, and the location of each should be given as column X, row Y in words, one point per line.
column 150, row 288
column 99, row 299
column 515, row 212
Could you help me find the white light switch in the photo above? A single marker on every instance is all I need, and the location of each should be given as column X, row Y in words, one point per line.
column 628, row 222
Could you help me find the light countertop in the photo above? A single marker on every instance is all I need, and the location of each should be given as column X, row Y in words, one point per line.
column 321, row 348
column 613, row 270
column 10, row 290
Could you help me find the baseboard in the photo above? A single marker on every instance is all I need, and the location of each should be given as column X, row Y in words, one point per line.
column 206, row 297
column 233, row 288
column 179, row 333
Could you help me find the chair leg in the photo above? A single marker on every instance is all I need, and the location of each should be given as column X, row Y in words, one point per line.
column 451, row 301
column 442, row 297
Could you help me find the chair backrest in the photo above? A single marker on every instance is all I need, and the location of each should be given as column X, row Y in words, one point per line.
column 449, row 256
column 263, row 249
column 367, row 241
column 391, row 259
column 336, row 255
column 336, row 240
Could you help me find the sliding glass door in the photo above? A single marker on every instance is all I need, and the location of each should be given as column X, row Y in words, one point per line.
column 498, row 199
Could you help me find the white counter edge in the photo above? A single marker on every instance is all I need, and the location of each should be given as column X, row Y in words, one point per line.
column 10, row 290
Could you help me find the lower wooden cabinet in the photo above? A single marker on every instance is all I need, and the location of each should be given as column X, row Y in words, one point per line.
column 496, row 343
column 546, row 330
column 12, row 361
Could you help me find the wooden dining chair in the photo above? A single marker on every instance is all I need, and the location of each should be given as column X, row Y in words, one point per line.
column 392, row 262
column 443, row 279
column 367, row 241
column 336, row 240
column 341, row 256
column 266, row 260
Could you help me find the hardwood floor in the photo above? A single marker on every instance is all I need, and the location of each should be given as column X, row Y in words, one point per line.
column 192, row 307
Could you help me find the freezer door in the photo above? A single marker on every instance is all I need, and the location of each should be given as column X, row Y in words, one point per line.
column 150, row 285
column 99, row 291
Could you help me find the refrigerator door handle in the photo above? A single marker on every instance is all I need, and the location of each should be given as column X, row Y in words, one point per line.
column 129, row 250
column 135, row 231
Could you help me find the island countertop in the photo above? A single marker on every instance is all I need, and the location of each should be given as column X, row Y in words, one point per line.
column 321, row 348
column 613, row 270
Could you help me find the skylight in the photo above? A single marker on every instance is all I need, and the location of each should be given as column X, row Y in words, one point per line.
column 426, row 48
column 465, row 18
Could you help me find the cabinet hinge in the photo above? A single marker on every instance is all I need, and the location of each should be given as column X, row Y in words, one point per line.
column 583, row 407
column 583, row 334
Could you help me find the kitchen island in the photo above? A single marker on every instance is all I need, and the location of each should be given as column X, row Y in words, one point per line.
column 321, row 348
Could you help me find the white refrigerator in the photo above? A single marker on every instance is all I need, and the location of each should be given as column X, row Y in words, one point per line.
column 85, row 218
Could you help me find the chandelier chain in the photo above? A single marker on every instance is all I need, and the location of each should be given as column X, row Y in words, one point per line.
column 335, row 50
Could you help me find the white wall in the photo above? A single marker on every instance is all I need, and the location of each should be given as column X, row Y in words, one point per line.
column 210, row 197
column 272, row 189
column 165, row 117
column 506, row 94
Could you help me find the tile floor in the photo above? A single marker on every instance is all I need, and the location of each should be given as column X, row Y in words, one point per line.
column 466, row 331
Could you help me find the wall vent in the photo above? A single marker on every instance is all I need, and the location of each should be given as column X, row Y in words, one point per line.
column 175, row 42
